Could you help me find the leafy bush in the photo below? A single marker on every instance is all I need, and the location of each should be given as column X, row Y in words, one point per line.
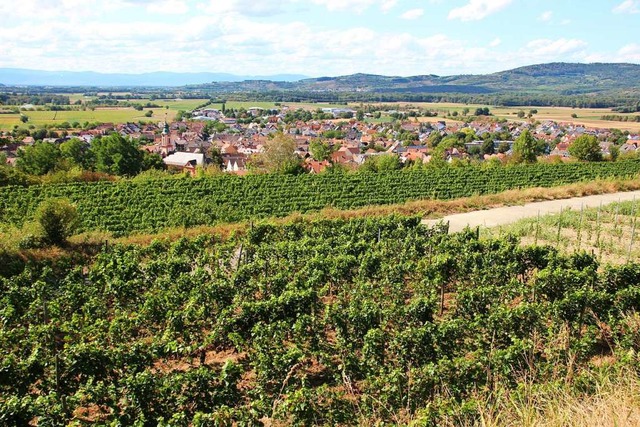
column 58, row 219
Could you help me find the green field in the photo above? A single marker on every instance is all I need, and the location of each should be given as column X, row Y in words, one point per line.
column 132, row 206
column 101, row 115
column 177, row 104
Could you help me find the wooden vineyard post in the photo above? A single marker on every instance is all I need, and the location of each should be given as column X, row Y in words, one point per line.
column 633, row 229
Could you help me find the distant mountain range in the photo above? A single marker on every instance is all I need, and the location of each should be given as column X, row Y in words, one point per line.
column 558, row 78
column 553, row 78
column 24, row 77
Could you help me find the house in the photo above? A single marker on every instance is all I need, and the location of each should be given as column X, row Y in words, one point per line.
column 234, row 163
column 185, row 162
column 628, row 147
column 315, row 167
column 561, row 149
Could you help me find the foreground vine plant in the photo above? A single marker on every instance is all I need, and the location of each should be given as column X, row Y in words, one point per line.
column 313, row 323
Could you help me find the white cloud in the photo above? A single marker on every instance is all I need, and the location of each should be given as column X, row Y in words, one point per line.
column 412, row 14
column 628, row 6
column 546, row 16
column 630, row 53
column 236, row 36
column 476, row 10
column 387, row 5
column 169, row 7
column 552, row 48
column 353, row 5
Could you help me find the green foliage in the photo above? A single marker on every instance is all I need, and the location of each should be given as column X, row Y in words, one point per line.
column 58, row 219
column 320, row 150
column 333, row 134
column 381, row 163
column 76, row 152
column 127, row 206
column 309, row 323
column 117, row 155
column 12, row 176
column 279, row 155
column 525, row 148
column 152, row 161
column 38, row 159
column 586, row 148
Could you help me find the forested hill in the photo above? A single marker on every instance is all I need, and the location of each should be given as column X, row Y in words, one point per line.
column 553, row 78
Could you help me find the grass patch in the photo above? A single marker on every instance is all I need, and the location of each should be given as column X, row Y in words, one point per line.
column 611, row 232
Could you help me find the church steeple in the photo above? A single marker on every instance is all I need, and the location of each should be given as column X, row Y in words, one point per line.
column 166, row 146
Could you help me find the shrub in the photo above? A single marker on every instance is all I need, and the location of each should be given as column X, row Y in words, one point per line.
column 58, row 219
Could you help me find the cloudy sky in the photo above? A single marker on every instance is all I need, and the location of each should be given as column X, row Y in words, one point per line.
column 315, row 37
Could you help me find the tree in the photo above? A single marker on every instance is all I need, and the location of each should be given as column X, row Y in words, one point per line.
column 320, row 150
column 380, row 163
column 152, row 161
column 76, row 152
column 279, row 155
column 117, row 155
column 434, row 139
column 520, row 114
column 465, row 111
column 359, row 115
column 614, row 152
column 215, row 157
column 24, row 118
column 58, row 219
column 524, row 148
column 38, row 159
column 488, row 147
column 148, row 113
column 586, row 148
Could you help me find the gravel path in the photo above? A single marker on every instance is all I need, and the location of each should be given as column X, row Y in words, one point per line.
column 511, row 214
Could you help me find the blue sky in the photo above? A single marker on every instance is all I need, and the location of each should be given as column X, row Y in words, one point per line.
column 315, row 37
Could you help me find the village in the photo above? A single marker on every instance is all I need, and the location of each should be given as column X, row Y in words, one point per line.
column 232, row 139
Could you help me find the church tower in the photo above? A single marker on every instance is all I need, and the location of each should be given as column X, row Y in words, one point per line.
column 165, row 146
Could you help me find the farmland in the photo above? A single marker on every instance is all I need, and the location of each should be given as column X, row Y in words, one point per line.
column 149, row 206
column 100, row 114
column 358, row 322
column 590, row 117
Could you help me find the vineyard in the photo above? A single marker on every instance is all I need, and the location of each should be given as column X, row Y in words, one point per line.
column 348, row 322
column 126, row 207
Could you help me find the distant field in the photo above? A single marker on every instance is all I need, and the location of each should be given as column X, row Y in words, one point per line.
column 589, row 117
column 176, row 104
column 243, row 105
column 102, row 115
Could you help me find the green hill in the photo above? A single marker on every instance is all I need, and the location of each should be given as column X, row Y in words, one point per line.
column 556, row 77
column 552, row 79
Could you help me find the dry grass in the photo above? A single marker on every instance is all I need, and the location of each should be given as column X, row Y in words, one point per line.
column 616, row 402
column 611, row 232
